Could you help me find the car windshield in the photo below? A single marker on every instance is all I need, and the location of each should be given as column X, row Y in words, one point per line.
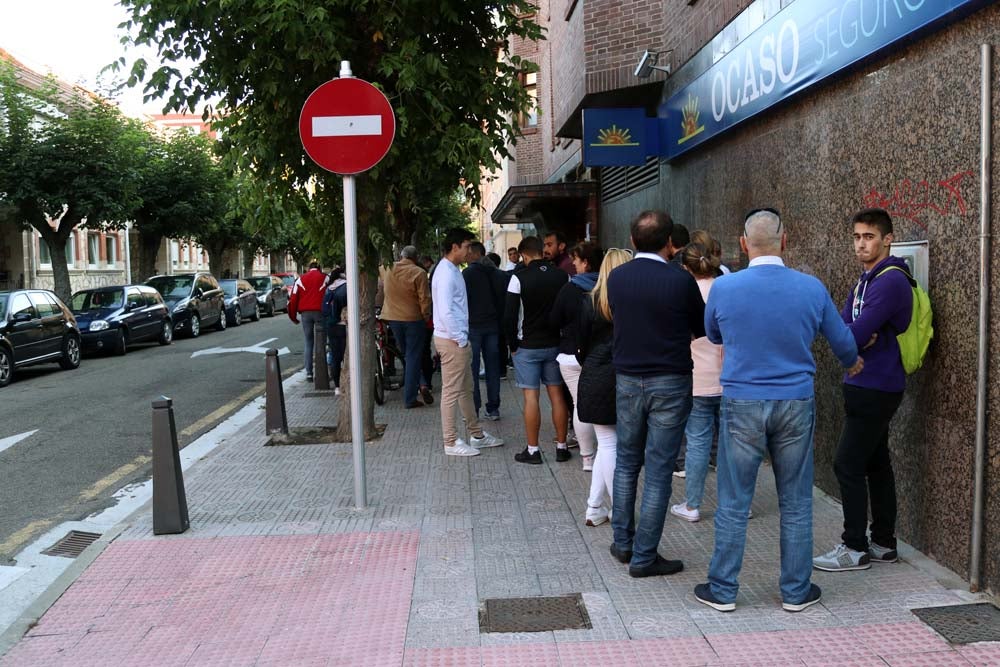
column 3, row 304
column 98, row 298
column 228, row 287
column 259, row 283
column 172, row 287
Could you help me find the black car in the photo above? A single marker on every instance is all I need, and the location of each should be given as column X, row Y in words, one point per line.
column 271, row 294
column 112, row 318
column 195, row 300
column 35, row 327
column 241, row 301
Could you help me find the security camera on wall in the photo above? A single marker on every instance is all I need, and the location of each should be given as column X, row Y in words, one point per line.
column 647, row 63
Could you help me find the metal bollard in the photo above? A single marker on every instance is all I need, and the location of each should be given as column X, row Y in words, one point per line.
column 321, row 372
column 275, row 417
column 170, row 512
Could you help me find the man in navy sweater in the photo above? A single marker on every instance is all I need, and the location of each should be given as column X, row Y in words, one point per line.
column 656, row 309
column 767, row 317
column 878, row 308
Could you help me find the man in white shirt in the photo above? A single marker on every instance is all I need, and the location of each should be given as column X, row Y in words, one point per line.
column 451, row 339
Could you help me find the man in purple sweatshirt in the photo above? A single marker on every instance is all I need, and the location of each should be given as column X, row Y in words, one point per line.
column 877, row 309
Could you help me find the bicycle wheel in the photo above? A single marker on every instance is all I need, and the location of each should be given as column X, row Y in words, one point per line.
column 379, row 379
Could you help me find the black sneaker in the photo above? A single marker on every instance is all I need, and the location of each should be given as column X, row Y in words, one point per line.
column 309, row 377
column 703, row 594
column 880, row 554
column 812, row 598
column 525, row 457
column 563, row 455
column 622, row 555
column 658, row 568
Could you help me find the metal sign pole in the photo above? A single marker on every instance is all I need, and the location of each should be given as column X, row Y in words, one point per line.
column 354, row 330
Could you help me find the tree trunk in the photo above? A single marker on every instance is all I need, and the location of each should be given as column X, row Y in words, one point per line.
column 56, row 241
column 215, row 256
column 149, row 248
column 249, row 255
column 367, row 301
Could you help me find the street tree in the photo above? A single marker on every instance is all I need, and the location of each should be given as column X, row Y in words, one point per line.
column 66, row 163
column 457, row 102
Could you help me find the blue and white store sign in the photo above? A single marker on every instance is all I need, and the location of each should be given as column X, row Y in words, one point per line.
column 800, row 46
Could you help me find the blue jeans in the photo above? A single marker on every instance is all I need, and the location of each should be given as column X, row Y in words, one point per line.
column 699, row 433
column 652, row 412
column 486, row 346
column 411, row 339
column 783, row 429
column 309, row 319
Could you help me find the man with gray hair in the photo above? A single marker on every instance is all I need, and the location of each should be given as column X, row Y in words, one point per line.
column 407, row 311
column 767, row 317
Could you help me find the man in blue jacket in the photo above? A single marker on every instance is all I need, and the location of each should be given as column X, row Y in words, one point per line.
column 767, row 317
column 878, row 308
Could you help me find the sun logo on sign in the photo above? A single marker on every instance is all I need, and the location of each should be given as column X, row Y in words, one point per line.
column 615, row 136
column 689, row 123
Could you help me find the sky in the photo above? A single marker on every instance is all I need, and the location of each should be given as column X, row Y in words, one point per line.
column 73, row 38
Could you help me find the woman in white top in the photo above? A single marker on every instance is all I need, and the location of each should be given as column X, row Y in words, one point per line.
column 701, row 425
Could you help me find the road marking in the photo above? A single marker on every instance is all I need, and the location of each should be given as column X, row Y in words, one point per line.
column 7, row 443
column 258, row 348
column 346, row 126
column 223, row 411
column 17, row 539
column 105, row 483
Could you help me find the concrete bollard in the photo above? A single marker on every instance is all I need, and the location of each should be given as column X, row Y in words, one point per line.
column 170, row 512
column 275, row 417
column 321, row 372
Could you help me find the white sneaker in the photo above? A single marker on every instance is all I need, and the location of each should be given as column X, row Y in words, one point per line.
column 336, row 391
column 680, row 474
column 588, row 463
column 681, row 510
column 597, row 515
column 486, row 440
column 461, row 448
column 841, row 559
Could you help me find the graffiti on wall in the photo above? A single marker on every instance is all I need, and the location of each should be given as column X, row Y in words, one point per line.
column 913, row 200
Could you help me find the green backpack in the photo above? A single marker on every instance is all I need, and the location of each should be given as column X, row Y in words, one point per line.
column 914, row 341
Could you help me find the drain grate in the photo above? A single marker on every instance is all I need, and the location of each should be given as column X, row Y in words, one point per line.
column 963, row 623
column 72, row 544
column 537, row 614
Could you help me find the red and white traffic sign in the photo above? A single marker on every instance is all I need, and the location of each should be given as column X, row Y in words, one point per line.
column 347, row 126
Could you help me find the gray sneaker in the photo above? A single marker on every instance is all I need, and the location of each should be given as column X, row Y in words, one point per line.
column 485, row 440
column 879, row 554
column 842, row 559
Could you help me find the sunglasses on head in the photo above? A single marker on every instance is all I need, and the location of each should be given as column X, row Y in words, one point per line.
column 766, row 209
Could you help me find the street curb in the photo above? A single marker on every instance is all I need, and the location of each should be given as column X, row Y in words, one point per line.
column 34, row 612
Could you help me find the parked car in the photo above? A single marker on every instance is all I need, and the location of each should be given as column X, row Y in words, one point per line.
column 35, row 327
column 112, row 318
column 271, row 294
column 195, row 301
column 287, row 279
column 241, row 301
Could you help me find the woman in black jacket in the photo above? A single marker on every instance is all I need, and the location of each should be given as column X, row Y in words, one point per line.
column 565, row 315
column 596, row 390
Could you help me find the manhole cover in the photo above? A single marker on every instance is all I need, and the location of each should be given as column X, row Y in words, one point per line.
column 72, row 544
column 963, row 623
column 537, row 614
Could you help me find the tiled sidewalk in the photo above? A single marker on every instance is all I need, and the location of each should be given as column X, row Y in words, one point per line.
column 279, row 569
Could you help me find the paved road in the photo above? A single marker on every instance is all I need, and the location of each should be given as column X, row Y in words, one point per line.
column 93, row 424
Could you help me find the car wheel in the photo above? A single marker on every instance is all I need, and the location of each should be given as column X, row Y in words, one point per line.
column 237, row 316
column 195, row 326
column 222, row 323
column 6, row 367
column 166, row 333
column 121, row 344
column 270, row 309
column 70, row 358
column 256, row 313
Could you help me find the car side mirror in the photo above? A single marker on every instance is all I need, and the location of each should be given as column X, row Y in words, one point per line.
column 134, row 306
column 198, row 293
column 23, row 316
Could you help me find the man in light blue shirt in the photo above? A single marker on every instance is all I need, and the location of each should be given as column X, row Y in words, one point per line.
column 451, row 339
column 767, row 317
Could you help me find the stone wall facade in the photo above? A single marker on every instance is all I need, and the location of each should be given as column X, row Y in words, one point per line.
column 902, row 133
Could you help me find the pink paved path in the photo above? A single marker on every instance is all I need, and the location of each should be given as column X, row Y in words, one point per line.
column 344, row 599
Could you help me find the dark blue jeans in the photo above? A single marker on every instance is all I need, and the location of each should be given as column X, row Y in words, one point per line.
column 486, row 346
column 411, row 338
column 652, row 412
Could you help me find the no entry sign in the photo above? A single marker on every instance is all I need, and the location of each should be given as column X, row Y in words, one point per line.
column 347, row 126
